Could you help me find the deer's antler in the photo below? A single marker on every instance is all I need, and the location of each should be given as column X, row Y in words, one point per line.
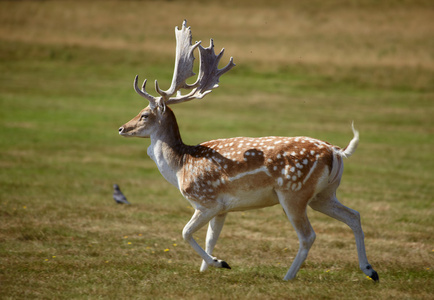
column 208, row 77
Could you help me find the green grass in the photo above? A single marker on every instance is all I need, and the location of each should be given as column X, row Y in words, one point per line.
column 66, row 73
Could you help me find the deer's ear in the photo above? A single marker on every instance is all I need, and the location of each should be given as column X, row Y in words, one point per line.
column 161, row 105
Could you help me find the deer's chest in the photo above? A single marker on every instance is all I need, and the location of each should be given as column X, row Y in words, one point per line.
column 163, row 162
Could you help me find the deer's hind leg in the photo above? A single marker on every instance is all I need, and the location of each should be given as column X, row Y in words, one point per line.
column 329, row 205
column 296, row 212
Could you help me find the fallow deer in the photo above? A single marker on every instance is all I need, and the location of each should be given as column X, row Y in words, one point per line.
column 237, row 174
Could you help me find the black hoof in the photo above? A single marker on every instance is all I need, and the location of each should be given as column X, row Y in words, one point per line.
column 375, row 277
column 226, row 266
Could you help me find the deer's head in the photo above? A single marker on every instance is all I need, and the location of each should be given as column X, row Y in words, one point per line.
column 154, row 116
column 143, row 124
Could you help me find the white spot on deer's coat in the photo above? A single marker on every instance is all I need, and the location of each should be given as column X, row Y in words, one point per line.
column 280, row 181
column 296, row 186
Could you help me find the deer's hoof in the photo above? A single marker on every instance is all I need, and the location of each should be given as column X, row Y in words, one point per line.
column 221, row 264
column 225, row 265
column 374, row 276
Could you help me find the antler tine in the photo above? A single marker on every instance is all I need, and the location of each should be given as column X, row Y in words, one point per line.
column 184, row 61
column 209, row 75
column 142, row 92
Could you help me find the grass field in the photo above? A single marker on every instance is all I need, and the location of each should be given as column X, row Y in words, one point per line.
column 303, row 68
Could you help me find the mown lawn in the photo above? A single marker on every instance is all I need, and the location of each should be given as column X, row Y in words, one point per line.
column 308, row 68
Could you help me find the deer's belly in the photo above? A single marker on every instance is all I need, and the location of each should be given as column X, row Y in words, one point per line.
column 249, row 199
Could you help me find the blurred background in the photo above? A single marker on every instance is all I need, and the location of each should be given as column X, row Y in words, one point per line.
column 303, row 68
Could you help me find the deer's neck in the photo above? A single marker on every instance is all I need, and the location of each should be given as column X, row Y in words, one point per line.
column 167, row 149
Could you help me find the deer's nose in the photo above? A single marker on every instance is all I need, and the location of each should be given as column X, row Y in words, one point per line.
column 121, row 130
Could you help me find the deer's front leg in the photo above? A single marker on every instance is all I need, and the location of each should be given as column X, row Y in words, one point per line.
column 199, row 219
column 214, row 228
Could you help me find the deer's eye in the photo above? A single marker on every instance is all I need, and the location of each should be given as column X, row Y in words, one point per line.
column 144, row 117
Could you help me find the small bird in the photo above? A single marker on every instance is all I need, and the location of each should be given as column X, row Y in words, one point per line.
column 118, row 196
